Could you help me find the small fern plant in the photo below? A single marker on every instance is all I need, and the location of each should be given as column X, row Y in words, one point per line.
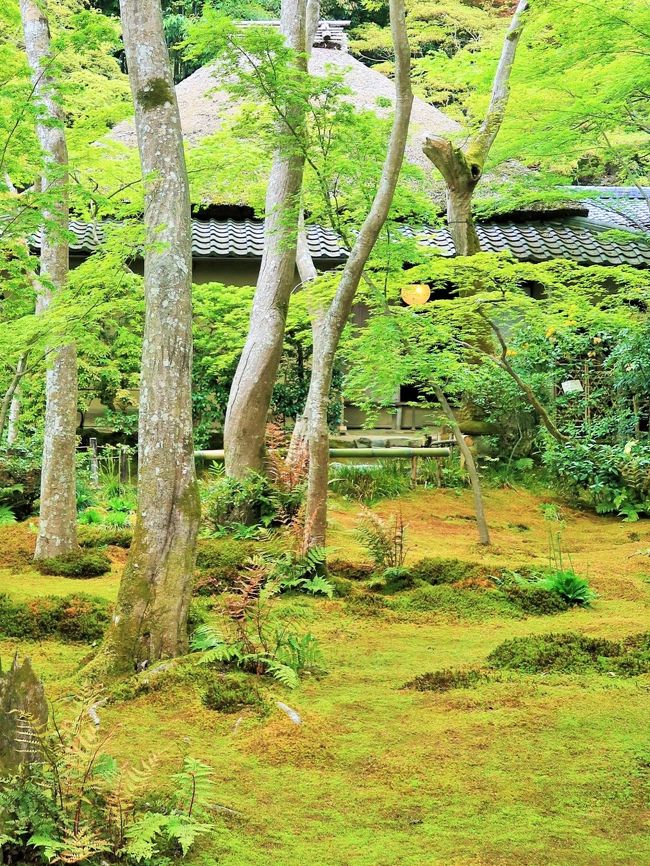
column 383, row 538
column 77, row 805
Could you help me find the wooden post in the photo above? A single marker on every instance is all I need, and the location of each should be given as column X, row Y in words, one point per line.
column 414, row 471
column 94, row 463
column 123, row 467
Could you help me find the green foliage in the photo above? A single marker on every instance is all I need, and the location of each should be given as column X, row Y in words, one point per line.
column 574, row 590
column 20, row 480
column 260, row 634
column 229, row 694
column 7, row 517
column 78, row 805
column 445, row 680
column 573, row 653
column 65, row 618
column 227, row 501
column 81, row 565
column 220, row 562
column 384, row 539
column 609, row 478
column 387, row 479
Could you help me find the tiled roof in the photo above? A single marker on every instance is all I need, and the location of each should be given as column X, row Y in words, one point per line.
column 241, row 239
column 585, row 240
column 575, row 238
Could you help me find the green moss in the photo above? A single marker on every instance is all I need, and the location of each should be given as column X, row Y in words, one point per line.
column 435, row 570
column 101, row 536
column 574, row 653
column 156, row 93
column 445, row 680
column 79, row 565
column 70, row 618
column 230, row 694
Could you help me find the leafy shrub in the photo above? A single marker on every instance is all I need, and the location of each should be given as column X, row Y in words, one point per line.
column 228, row 694
column 20, row 480
column 435, row 570
column 573, row 653
column 445, row 680
column 608, row 478
column 574, row 590
column 384, row 538
column 370, row 483
column 79, row 564
column 98, row 536
column 90, row 517
column 350, row 570
column 227, row 502
column 68, row 618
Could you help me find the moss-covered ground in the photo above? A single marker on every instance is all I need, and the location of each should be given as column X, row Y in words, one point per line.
column 517, row 771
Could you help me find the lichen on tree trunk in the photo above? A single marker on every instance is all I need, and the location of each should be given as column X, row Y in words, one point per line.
column 150, row 619
column 58, row 513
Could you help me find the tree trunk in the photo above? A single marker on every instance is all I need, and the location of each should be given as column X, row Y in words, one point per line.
column 10, row 407
column 331, row 321
column 57, row 531
column 462, row 167
column 481, row 522
column 14, row 417
column 252, row 386
column 150, row 620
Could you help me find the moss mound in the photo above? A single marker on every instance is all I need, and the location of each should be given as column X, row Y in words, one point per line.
column 102, row 536
column 219, row 562
column 435, row 571
column 573, row 653
column 229, row 694
column 68, row 618
column 445, row 680
column 17, row 543
column 78, row 565
column 350, row 570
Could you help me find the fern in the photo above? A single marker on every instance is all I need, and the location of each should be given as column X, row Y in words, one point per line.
column 7, row 517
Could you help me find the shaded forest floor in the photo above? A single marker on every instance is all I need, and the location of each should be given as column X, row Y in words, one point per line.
column 546, row 770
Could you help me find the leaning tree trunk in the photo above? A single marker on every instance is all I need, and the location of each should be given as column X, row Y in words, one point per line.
column 252, row 386
column 462, row 166
column 332, row 320
column 150, row 620
column 472, row 471
column 57, row 531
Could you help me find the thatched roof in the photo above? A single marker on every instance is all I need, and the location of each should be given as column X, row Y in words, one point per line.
column 203, row 107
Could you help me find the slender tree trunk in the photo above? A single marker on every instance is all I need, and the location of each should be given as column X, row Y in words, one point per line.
column 14, row 418
column 331, row 321
column 57, row 532
column 475, row 481
column 462, row 166
column 10, row 406
column 252, row 386
column 307, row 272
column 150, row 620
